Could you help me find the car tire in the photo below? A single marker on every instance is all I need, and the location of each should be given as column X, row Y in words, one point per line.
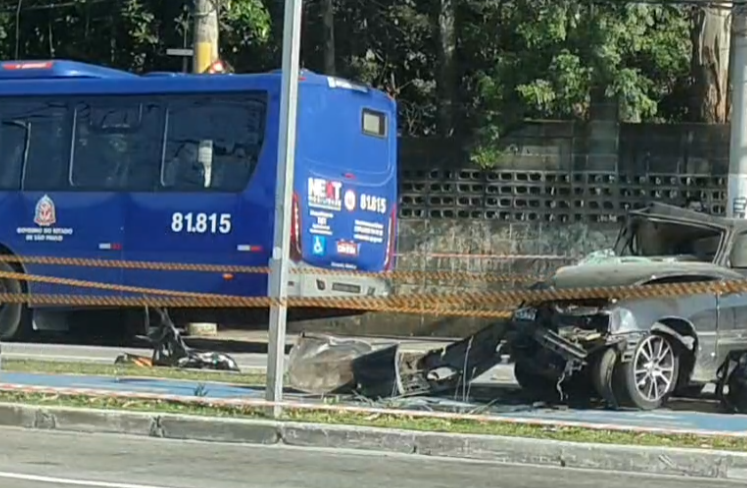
column 648, row 380
column 12, row 317
column 602, row 375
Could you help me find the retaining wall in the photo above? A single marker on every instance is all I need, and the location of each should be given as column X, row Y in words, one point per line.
column 559, row 189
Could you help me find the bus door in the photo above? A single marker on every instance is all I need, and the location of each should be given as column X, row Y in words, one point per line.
column 69, row 207
column 210, row 152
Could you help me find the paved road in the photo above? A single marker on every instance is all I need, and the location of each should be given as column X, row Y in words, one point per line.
column 101, row 355
column 36, row 459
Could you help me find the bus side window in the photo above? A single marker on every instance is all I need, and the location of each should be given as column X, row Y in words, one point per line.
column 213, row 142
column 13, row 147
column 117, row 146
column 47, row 143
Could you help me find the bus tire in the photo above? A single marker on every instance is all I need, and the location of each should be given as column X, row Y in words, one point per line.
column 11, row 314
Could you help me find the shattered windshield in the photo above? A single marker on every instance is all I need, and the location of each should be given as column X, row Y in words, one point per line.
column 651, row 238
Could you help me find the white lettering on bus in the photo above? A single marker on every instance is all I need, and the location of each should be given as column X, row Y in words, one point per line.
column 201, row 223
column 325, row 194
column 373, row 203
column 47, row 234
column 368, row 232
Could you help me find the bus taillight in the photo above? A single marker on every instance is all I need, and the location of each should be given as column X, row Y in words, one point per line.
column 391, row 240
column 27, row 65
column 295, row 232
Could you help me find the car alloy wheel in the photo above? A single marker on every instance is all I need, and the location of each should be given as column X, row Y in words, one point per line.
column 649, row 378
column 654, row 366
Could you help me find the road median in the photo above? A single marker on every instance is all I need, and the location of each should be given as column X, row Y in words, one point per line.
column 251, row 377
column 654, row 459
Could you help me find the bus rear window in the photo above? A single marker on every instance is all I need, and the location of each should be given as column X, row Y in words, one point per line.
column 374, row 123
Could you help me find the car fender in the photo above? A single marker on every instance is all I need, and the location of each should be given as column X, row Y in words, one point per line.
column 687, row 342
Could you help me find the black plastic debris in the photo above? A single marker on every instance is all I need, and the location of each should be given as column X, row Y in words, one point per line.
column 731, row 388
column 170, row 350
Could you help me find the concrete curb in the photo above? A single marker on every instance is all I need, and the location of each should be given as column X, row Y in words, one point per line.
column 652, row 460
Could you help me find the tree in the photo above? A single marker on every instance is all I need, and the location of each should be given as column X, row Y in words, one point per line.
column 445, row 32
column 710, row 38
column 473, row 67
column 550, row 59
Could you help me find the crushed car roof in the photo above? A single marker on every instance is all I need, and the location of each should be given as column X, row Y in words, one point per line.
column 664, row 211
column 630, row 274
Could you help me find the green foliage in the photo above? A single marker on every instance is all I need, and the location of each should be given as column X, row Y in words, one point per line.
column 513, row 59
column 245, row 30
column 556, row 60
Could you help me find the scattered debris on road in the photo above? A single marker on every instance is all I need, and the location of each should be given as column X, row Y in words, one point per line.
column 626, row 352
column 170, row 350
column 323, row 364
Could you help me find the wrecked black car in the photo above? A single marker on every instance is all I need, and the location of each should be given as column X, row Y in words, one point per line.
column 638, row 352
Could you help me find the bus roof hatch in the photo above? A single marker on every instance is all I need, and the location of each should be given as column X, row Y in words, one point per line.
column 57, row 69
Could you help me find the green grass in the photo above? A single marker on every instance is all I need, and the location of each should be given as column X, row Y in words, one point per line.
column 92, row 369
column 350, row 418
column 571, row 434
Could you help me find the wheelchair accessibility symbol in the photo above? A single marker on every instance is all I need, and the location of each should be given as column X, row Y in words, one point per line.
column 320, row 245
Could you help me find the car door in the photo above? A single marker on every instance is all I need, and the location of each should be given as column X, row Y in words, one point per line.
column 732, row 333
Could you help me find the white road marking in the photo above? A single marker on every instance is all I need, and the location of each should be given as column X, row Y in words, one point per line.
column 71, row 481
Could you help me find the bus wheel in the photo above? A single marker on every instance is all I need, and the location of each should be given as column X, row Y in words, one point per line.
column 11, row 314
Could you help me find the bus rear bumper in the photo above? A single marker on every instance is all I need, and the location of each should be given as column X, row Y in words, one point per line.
column 309, row 281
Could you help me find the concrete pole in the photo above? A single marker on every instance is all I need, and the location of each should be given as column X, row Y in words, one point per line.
column 205, row 35
column 278, row 281
column 736, row 203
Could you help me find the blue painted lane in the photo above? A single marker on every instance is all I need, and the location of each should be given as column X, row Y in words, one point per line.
column 134, row 385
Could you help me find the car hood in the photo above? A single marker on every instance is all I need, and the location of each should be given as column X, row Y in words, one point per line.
column 619, row 272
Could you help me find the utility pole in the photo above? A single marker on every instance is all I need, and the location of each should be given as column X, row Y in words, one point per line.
column 205, row 35
column 204, row 54
column 278, row 280
column 736, row 203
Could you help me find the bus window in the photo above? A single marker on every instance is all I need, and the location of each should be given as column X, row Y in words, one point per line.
column 213, row 143
column 117, row 147
column 373, row 123
column 13, row 147
column 46, row 139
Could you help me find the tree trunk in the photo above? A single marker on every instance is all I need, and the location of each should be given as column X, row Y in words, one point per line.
column 710, row 35
column 328, row 23
column 445, row 19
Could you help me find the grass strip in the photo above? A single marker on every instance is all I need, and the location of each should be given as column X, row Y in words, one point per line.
column 130, row 371
column 571, row 434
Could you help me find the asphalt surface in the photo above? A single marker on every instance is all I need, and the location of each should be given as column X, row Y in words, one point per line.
column 102, row 354
column 38, row 459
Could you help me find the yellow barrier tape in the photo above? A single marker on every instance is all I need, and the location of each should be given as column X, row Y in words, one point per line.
column 472, row 304
column 486, row 277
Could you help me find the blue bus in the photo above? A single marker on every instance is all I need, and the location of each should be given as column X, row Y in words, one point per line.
column 170, row 167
